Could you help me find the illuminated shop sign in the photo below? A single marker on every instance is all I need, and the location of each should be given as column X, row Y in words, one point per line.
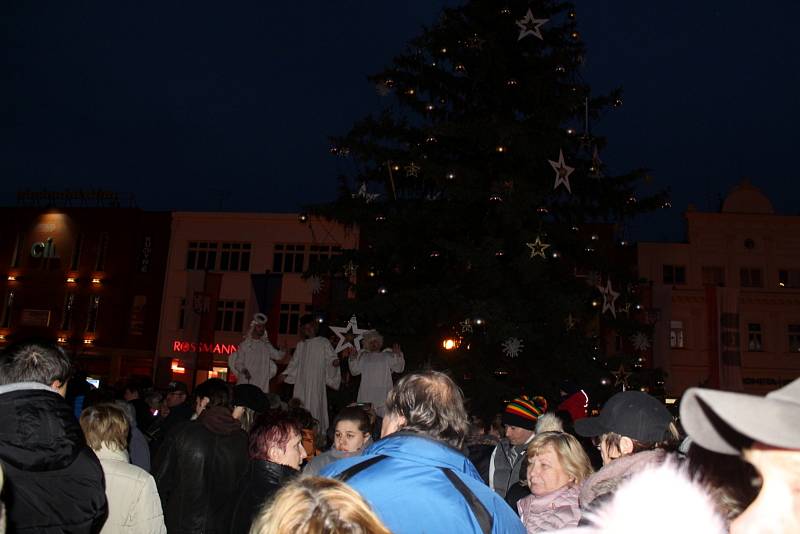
column 211, row 348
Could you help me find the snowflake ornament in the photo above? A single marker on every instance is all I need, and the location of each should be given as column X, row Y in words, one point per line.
column 640, row 341
column 512, row 347
column 349, row 336
column 315, row 283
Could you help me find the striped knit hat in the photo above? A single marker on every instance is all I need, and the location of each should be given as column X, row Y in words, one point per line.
column 523, row 411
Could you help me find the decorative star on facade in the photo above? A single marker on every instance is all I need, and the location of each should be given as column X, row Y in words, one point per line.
column 609, row 298
column 349, row 336
column 562, row 171
column 538, row 248
column 412, row 169
column 528, row 25
column 362, row 193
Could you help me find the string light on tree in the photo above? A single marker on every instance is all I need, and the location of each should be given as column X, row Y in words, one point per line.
column 562, row 171
column 529, row 25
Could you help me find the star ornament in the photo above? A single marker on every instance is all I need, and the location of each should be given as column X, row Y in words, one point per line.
column 621, row 377
column 538, row 248
column 528, row 25
column 349, row 336
column 609, row 298
column 562, row 171
column 412, row 169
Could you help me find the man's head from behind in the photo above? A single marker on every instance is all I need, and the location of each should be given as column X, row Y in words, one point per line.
column 428, row 403
column 35, row 361
column 765, row 431
column 212, row 392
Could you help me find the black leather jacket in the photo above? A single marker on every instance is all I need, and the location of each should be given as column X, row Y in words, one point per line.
column 263, row 479
column 53, row 481
column 198, row 470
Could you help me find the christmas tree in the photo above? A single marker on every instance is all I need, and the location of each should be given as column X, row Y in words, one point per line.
column 490, row 227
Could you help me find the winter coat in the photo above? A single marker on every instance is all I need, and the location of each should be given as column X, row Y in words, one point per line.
column 503, row 475
column 263, row 479
column 412, row 491
column 600, row 487
column 53, row 481
column 555, row 510
column 198, row 471
column 133, row 503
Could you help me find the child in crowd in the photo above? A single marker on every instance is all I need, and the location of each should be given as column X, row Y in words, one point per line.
column 351, row 435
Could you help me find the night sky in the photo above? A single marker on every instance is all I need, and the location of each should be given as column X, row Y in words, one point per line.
column 205, row 105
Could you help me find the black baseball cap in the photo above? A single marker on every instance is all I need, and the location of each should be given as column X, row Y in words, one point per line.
column 633, row 414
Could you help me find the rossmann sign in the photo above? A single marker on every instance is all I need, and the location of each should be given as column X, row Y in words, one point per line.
column 208, row 348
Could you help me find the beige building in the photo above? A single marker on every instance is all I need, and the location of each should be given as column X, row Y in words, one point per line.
column 222, row 268
column 726, row 303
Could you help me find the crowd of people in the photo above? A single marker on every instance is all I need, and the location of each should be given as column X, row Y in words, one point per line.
column 406, row 457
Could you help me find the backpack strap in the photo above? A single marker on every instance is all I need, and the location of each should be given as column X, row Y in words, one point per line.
column 352, row 471
column 482, row 515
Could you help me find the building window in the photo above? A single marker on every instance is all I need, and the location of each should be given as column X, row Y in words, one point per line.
column 714, row 276
column 235, row 257
column 789, row 278
column 794, row 337
column 76, row 253
column 749, row 277
column 16, row 257
column 8, row 307
column 91, row 318
column 321, row 253
column 182, row 314
column 676, row 335
column 102, row 252
column 201, row 256
column 674, row 274
column 230, row 316
column 290, row 319
column 66, row 315
column 754, row 337
column 288, row 258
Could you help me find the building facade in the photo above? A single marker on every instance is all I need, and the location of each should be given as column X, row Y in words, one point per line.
column 90, row 278
column 225, row 267
column 726, row 303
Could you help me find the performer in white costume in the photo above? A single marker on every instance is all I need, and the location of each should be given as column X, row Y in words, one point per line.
column 376, row 368
column 314, row 366
column 252, row 363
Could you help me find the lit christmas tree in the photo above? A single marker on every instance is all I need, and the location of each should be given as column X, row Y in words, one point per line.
column 489, row 224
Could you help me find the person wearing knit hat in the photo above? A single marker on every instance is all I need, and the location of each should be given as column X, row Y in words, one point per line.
column 506, row 465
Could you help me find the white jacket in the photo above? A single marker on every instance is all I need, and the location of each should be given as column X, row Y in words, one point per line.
column 133, row 502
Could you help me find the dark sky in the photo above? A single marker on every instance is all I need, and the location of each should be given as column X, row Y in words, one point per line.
column 201, row 104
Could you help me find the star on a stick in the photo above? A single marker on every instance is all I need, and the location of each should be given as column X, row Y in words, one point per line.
column 562, row 171
column 528, row 25
column 538, row 248
column 349, row 336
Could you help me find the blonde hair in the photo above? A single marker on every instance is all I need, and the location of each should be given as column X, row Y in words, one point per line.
column 317, row 505
column 549, row 422
column 105, row 424
column 571, row 456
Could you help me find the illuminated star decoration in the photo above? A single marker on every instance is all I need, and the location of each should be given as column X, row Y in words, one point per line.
column 316, row 284
column 562, row 171
column 349, row 336
column 466, row 326
column 412, row 169
column 538, row 248
column 530, row 26
column 362, row 193
column 621, row 377
column 609, row 298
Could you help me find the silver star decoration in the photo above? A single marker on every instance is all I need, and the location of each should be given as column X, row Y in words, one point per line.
column 412, row 169
column 362, row 193
column 538, row 248
column 621, row 377
column 609, row 298
column 349, row 336
column 528, row 25
column 562, row 171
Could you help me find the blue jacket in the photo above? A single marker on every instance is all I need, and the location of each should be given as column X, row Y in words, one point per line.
column 411, row 493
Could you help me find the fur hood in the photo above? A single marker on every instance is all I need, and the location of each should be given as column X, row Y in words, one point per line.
column 606, row 481
column 648, row 501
